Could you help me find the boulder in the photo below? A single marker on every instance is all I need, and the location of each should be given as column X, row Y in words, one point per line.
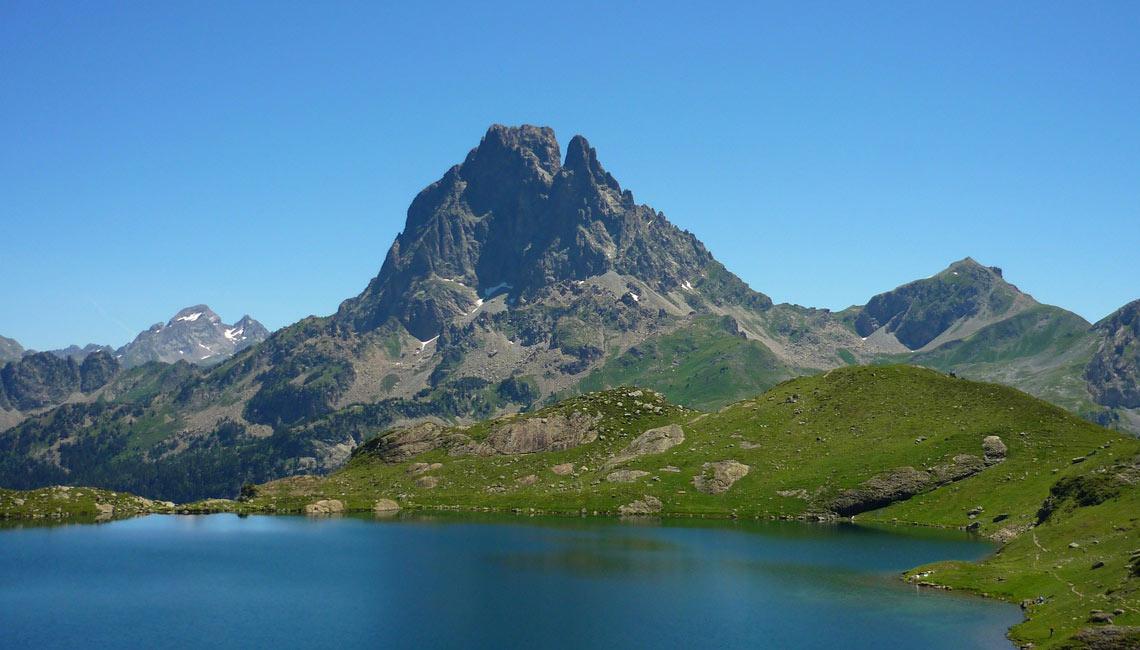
column 882, row 489
column 1109, row 637
column 1098, row 616
column 529, row 479
column 325, row 507
column 718, row 477
column 794, row 494
column 564, row 469
column 384, row 506
column 653, row 441
column 647, row 505
column 993, row 449
column 626, row 475
column 537, row 434
column 420, row 468
column 427, row 482
column 401, row 444
column 106, row 511
column 960, row 467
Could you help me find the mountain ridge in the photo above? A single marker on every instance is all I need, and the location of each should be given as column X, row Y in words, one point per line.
column 521, row 277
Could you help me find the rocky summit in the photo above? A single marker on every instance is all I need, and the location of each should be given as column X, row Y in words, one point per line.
column 949, row 305
column 514, row 219
column 195, row 334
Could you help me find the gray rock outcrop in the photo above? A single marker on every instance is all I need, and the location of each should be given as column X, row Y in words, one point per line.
column 718, row 477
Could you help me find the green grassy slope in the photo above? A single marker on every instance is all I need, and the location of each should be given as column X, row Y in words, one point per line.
column 703, row 365
column 1042, row 351
column 1081, row 559
column 78, row 504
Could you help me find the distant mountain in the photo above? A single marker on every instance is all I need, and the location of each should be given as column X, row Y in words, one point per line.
column 10, row 349
column 81, row 353
column 951, row 305
column 34, row 381
column 195, row 334
column 521, row 277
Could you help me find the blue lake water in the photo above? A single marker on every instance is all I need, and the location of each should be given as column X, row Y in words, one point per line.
column 221, row 581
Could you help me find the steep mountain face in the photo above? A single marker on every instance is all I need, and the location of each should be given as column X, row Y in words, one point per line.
column 950, row 305
column 195, row 334
column 10, row 349
column 43, row 379
column 1114, row 371
column 513, row 219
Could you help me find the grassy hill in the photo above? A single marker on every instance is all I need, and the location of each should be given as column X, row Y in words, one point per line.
column 705, row 365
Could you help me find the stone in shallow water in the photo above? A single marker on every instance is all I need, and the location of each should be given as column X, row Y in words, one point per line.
column 385, row 506
column 647, row 505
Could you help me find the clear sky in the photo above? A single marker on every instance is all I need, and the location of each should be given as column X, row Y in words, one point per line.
column 260, row 157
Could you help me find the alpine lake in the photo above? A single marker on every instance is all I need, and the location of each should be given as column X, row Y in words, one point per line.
column 462, row 581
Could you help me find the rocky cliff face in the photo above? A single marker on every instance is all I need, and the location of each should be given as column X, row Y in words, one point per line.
column 512, row 219
column 195, row 334
column 42, row 379
column 1114, row 372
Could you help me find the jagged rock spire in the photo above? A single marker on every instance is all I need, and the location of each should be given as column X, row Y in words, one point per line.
column 513, row 217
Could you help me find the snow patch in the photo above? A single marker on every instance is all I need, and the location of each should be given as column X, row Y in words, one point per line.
column 234, row 333
column 424, row 344
column 478, row 304
column 490, row 291
column 636, row 298
column 205, row 347
column 685, row 285
column 190, row 318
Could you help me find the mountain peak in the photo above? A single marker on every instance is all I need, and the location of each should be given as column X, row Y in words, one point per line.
column 950, row 304
column 194, row 334
column 581, row 158
column 193, row 314
column 506, row 147
column 512, row 216
column 969, row 263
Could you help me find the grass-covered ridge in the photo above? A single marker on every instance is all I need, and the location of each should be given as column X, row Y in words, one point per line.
column 705, row 364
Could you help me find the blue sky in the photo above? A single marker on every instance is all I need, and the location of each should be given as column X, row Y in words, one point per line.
column 260, row 157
